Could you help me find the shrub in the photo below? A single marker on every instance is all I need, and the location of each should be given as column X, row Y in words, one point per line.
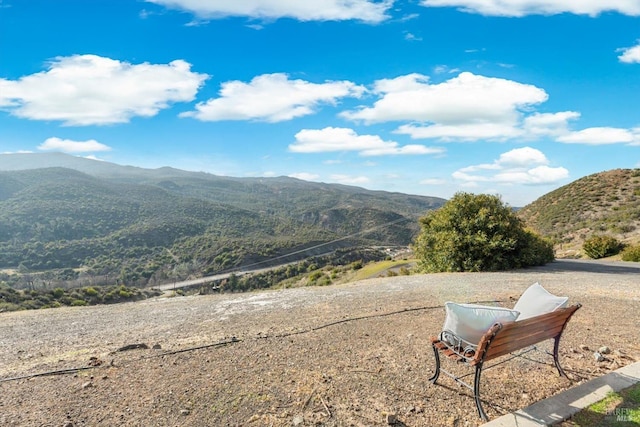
column 631, row 253
column 315, row 275
column 122, row 293
column 78, row 303
column 597, row 247
column 477, row 233
column 356, row 265
column 9, row 306
column 57, row 292
column 90, row 291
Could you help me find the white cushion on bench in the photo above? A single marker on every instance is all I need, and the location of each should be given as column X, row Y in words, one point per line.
column 536, row 300
column 471, row 321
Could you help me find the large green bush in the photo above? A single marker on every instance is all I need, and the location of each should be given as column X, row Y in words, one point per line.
column 597, row 247
column 477, row 233
column 631, row 253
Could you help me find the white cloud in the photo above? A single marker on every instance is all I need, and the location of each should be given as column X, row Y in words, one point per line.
column 533, row 176
column 636, row 136
column 317, row 10
column 519, row 166
column 350, row 180
column 463, row 131
column 412, row 37
column 272, row 98
column 630, row 54
column 70, row 146
column 468, row 106
column 519, row 8
column 305, row 176
column 332, row 139
column 549, row 124
column 85, row 90
column 600, row 136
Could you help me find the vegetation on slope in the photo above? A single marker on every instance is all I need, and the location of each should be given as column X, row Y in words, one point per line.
column 13, row 300
column 606, row 203
column 142, row 227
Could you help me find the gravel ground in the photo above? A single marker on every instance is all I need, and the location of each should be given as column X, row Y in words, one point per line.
column 347, row 355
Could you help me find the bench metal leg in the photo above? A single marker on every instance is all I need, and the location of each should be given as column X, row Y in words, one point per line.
column 436, row 374
column 556, row 345
column 476, row 393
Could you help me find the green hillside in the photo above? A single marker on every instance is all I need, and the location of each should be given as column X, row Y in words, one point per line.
column 138, row 226
column 606, row 203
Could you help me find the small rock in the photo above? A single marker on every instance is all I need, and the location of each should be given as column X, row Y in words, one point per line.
column 391, row 419
column 94, row 361
column 185, row 412
column 298, row 420
column 88, row 384
column 599, row 357
column 584, row 348
column 157, row 347
column 604, row 350
column 140, row 346
column 69, row 424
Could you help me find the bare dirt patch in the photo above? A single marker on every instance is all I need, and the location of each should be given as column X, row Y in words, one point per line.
column 347, row 355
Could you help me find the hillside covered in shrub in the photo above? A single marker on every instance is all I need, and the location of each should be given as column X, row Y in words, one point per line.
column 134, row 226
column 602, row 204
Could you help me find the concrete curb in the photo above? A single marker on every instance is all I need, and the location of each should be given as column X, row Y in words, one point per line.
column 558, row 408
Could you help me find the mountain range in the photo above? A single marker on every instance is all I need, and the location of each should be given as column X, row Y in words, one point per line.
column 138, row 225
column 61, row 211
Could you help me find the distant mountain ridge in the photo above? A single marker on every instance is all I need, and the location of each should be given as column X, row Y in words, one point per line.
column 60, row 211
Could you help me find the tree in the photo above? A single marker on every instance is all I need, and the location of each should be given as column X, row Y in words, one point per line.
column 477, row 233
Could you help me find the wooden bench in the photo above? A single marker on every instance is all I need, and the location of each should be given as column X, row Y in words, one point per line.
column 502, row 339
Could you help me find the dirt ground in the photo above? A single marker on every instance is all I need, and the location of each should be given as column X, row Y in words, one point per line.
column 347, row 355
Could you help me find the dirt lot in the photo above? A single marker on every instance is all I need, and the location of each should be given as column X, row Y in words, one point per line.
column 347, row 355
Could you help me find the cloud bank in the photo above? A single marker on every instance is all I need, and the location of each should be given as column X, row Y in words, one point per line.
column 316, row 10
column 466, row 107
column 271, row 98
column 630, row 55
column 83, row 90
column 525, row 165
column 70, row 146
column 519, row 8
column 332, row 139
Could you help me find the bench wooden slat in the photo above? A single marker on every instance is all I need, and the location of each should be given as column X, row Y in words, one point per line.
column 500, row 348
column 514, row 330
column 513, row 336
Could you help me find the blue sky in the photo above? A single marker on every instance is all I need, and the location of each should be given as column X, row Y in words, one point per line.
column 428, row 97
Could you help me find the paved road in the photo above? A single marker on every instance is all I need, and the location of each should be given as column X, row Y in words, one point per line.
column 592, row 266
column 216, row 277
column 561, row 265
